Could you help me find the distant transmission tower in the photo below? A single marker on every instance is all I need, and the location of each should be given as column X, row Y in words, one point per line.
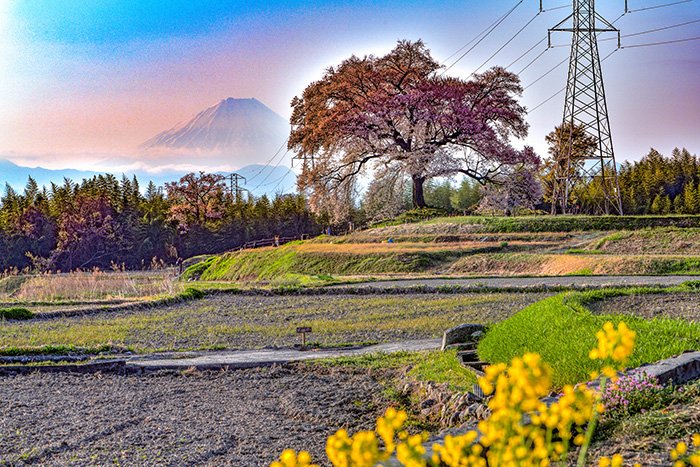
column 585, row 107
column 234, row 185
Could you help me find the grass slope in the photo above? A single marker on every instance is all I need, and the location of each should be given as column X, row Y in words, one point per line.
column 434, row 366
column 562, row 330
column 287, row 260
column 482, row 246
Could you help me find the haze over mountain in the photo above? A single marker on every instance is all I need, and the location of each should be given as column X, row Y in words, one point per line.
column 234, row 132
column 263, row 180
column 237, row 133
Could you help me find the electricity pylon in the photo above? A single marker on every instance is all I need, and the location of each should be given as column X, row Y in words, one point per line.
column 234, row 185
column 585, row 107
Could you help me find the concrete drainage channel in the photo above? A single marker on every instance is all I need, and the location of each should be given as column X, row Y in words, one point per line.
column 464, row 339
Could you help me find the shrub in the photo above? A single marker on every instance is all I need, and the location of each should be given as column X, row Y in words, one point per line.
column 15, row 313
column 190, row 293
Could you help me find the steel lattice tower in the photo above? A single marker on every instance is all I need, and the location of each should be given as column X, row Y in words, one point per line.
column 585, row 107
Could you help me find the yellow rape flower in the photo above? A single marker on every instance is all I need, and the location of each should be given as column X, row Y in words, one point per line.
column 289, row 458
column 614, row 343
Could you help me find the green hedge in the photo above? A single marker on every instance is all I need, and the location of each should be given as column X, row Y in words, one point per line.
column 15, row 313
column 570, row 223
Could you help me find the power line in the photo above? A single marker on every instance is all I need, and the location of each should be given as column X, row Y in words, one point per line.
column 475, row 38
column 526, row 52
column 557, row 7
column 654, row 30
column 659, row 6
column 532, row 62
column 563, row 61
column 498, row 23
column 547, row 73
column 547, row 100
column 267, row 164
column 280, row 182
column 271, row 171
column 661, row 43
column 505, row 45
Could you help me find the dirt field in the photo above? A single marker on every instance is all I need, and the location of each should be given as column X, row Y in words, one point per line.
column 677, row 305
column 241, row 418
column 240, row 322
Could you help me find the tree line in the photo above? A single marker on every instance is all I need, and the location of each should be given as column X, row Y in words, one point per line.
column 661, row 185
column 656, row 184
column 108, row 222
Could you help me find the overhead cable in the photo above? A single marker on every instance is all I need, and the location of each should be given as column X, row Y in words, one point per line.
column 564, row 88
column 498, row 23
column 267, row 164
column 634, row 46
column 526, row 52
column 649, row 31
column 271, row 171
column 505, row 45
column 664, row 5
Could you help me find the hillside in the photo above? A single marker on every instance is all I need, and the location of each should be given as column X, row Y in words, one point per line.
column 473, row 246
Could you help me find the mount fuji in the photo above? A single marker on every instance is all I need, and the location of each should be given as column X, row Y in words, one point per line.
column 235, row 132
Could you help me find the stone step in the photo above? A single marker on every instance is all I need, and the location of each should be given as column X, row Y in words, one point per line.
column 476, row 371
column 462, row 333
column 463, row 346
column 468, row 356
column 480, row 365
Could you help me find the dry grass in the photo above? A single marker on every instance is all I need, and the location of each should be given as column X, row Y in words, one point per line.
column 95, row 285
column 650, row 241
column 510, row 264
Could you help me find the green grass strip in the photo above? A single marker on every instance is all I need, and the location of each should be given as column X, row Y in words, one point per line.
column 434, row 366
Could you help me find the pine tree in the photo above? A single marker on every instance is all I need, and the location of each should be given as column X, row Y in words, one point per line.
column 690, row 200
column 678, row 204
column 666, row 205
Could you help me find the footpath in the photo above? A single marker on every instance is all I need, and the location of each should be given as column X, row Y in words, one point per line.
column 228, row 360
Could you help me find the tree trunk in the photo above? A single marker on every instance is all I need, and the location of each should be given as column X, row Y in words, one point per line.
column 418, row 195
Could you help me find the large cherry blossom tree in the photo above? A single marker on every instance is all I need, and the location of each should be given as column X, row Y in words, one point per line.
column 400, row 112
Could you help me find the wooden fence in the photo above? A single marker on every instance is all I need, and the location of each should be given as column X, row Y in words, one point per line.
column 275, row 241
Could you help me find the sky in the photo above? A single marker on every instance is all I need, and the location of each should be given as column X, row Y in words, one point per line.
column 83, row 83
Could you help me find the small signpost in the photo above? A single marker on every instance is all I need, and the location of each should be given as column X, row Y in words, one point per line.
column 303, row 330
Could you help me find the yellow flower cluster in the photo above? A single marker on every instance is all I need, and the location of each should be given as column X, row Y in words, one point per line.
column 363, row 449
column 615, row 344
column 614, row 461
column 681, row 456
column 290, row 458
column 522, row 430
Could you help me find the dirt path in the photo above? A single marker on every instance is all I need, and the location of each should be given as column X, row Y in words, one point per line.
column 527, row 282
column 267, row 357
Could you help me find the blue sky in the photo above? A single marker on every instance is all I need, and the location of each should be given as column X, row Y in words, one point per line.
column 84, row 82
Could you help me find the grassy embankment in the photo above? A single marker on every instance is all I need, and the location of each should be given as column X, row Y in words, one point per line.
column 562, row 329
column 475, row 246
column 434, row 366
